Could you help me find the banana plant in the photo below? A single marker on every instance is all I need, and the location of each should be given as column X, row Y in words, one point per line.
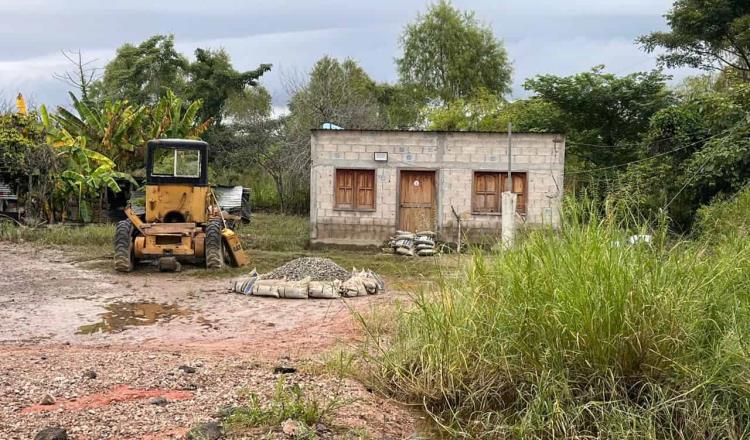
column 87, row 174
column 173, row 117
column 115, row 128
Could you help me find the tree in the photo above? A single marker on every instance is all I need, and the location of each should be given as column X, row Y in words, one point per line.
column 213, row 80
column 81, row 77
column 142, row 74
column 488, row 112
column 174, row 117
column 451, row 55
column 602, row 109
column 401, row 105
column 113, row 128
column 87, row 173
column 706, row 34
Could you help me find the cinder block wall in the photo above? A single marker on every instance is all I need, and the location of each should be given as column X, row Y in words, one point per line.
column 455, row 156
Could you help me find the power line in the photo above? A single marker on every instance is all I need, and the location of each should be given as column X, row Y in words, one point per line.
column 583, row 144
column 656, row 155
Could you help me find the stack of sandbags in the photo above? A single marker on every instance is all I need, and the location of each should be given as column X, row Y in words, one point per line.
column 422, row 243
column 360, row 283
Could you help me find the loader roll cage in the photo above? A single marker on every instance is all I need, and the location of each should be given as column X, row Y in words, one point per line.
column 177, row 161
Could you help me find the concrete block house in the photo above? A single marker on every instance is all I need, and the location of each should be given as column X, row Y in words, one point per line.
column 366, row 184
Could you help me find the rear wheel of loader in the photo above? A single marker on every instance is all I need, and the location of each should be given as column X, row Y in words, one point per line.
column 124, row 246
column 214, row 246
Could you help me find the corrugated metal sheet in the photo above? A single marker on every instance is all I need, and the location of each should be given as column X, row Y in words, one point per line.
column 6, row 192
column 229, row 197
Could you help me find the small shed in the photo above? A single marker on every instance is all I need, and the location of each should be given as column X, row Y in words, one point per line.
column 366, row 184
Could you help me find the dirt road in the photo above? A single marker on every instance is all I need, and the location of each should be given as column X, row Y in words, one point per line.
column 61, row 319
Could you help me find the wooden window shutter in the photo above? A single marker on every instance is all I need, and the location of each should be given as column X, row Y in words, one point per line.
column 519, row 187
column 485, row 195
column 344, row 188
column 365, row 189
column 355, row 189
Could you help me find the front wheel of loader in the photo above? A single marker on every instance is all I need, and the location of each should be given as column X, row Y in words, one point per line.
column 214, row 246
column 124, row 246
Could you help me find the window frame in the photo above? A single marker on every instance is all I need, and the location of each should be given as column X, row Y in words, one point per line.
column 355, row 190
column 500, row 177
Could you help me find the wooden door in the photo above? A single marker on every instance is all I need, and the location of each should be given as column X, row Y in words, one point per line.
column 417, row 207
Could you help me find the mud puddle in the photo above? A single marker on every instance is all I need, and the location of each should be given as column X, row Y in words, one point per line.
column 122, row 315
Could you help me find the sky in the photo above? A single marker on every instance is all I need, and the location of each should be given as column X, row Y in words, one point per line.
column 559, row 37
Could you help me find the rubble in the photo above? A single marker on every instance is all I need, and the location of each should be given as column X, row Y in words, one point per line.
column 320, row 278
column 318, row 269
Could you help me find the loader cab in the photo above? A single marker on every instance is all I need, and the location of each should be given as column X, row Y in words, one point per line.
column 177, row 161
column 177, row 181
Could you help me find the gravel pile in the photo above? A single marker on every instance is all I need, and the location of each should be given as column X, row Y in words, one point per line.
column 318, row 269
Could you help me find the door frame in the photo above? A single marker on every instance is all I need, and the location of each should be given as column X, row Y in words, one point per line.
column 436, row 191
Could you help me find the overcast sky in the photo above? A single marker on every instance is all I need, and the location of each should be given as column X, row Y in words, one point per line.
column 542, row 36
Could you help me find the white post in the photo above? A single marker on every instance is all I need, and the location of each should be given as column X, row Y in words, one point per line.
column 508, row 200
column 508, row 218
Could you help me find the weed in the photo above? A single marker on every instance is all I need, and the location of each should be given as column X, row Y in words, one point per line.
column 287, row 402
column 63, row 235
column 572, row 335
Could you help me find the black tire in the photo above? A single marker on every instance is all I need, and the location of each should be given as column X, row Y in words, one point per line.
column 124, row 246
column 214, row 245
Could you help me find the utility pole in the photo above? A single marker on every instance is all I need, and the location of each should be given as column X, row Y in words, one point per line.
column 509, row 199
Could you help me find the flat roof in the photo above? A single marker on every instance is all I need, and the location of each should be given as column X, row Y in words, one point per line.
column 344, row 130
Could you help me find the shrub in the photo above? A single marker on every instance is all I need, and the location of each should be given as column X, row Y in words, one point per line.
column 576, row 335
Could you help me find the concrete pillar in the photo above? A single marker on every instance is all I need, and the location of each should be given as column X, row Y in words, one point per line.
column 508, row 219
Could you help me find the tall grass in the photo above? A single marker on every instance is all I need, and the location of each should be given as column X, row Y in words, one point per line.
column 576, row 335
column 89, row 235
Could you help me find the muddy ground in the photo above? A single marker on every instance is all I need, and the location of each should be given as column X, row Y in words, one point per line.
column 101, row 348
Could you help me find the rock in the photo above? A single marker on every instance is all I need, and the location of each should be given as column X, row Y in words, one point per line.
column 225, row 411
column 189, row 387
column 89, row 374
column 318, row 269
column 205, row 431
column 186, row 369
column 51, row 434
column 284, row 370
column 291, row 427
column 158, row 401
column 321, row 428
column 47, row 400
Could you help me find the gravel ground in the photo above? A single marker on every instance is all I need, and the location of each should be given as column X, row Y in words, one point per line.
column 218, row 382
column 233, row 343
column 318, row 269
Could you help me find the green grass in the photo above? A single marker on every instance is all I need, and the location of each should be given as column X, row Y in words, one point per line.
column 289, row 402
column 572, row 336
column 276, row 232
column 270, row 241
column 60, row 235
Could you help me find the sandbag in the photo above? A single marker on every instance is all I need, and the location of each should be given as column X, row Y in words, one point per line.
column 427, row 233
column 353, row 287
column 324, row 289
column 421, row 246
column 426, row 252
column 267, row 288
column 294, row 289
column 245, row 286
column 405, row 251
column 404, row 242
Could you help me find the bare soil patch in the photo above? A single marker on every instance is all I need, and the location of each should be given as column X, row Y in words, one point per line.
column 61, row 317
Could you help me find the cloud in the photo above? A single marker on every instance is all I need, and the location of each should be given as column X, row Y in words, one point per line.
column 544, row 36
